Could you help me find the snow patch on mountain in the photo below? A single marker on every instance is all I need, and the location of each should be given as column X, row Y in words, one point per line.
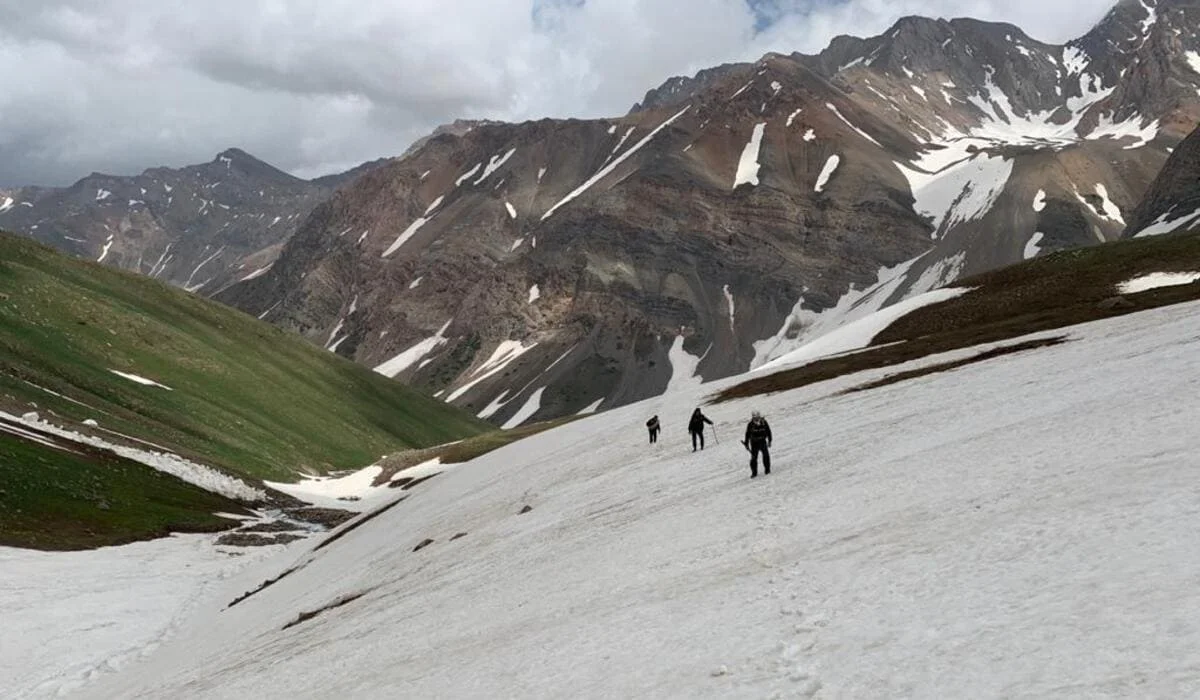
column 413, row 354
column 748, row 165
column 258, row 273
column 102, row 194
column 1156, row 280
column 809, row 135
column 591, row 408
column 1193, row 60
column 1163, row 224
column 494, row 164
column 604, row 171
column 494, row 407
column 621, row 141
column 512, row 211
column 407, row 234
column 963, row 191
column 504, row 355
column 6, row 204
column 792, row 117
column 742, row 89
column 1039, row 201
column 683, row 368
column 846, row 121
column 939, row 274
column 729, row 303
column 433, row 205
column 1033, row 246
column 107, row 246
column 534, row 293
column 140, row 380
column 1106, row 209
column 526, row 411
column 827, row 171
column 803, row 325
column 859, row 334
column 467, row 175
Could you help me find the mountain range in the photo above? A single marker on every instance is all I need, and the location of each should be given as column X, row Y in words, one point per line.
column 534, row 270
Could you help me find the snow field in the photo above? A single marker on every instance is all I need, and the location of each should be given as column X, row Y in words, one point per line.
column 71, row 618
column 1036, row 543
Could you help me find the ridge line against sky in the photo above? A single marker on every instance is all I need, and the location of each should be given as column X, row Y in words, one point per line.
column 319, row 86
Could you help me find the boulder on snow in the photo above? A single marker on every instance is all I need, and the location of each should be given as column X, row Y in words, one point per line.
column 424, row 543
column 525, row 510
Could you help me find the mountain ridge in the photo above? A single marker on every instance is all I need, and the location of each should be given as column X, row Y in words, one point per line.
column 543, row 268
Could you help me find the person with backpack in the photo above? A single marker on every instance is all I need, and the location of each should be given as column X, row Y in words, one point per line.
column 758, row 439
column 696, row 428
column 653, row 426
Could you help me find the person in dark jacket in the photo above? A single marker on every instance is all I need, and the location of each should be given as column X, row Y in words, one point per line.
column 758, row 439
column 696, row 428
column 653, row 426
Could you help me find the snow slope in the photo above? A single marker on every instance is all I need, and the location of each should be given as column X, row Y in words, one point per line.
column 1022, row 527
column 73, row 617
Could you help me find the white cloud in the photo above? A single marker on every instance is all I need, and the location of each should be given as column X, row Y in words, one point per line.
column 314, row 85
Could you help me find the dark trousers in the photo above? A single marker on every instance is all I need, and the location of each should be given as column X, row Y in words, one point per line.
column 755, row 448
column 653, row 435
column 697, row 435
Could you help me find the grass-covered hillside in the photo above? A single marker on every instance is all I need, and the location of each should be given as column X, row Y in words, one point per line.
column 230, row 391
column 243, row 395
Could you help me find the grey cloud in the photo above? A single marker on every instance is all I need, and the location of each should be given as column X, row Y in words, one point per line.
column 316, row 85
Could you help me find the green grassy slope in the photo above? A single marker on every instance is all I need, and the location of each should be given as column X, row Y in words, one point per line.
column 54, row 499
column 245, row 396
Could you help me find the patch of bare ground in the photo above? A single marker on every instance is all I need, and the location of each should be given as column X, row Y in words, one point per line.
column 354, row 525
column 462, row 451
column 344, row 600
column 948, row 366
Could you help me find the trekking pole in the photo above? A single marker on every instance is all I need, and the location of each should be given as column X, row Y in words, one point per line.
column 715, row 440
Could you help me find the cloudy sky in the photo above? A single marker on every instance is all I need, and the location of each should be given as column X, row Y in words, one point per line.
column 315, row 86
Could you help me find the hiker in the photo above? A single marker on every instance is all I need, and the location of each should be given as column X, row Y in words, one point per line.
column 653, row 426
column 758, row 439
column 696, row 428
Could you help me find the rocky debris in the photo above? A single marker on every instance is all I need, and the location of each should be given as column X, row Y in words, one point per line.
column 525, row 510
column 304, row 616
column 457, row 536
column 325, row 517
column 422, row 544
column 249, row 539
column 270, row 526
